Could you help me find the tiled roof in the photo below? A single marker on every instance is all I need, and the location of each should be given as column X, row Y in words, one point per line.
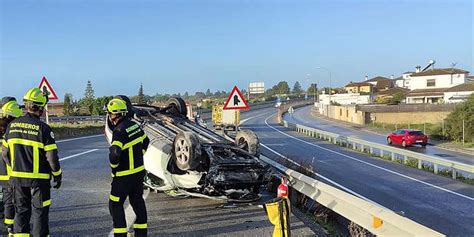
column 468, row 86
column 427, row 92
column 358, row 84
column 439, row 71
column 393, row 91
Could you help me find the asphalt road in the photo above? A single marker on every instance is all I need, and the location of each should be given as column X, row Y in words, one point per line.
column 80, row 206
column 435, row 201
column 303, row 116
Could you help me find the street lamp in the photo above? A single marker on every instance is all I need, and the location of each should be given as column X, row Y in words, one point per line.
column 330, row 90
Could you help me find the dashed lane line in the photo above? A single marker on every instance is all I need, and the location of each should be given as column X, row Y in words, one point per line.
column 79, row 138
column 78, row 154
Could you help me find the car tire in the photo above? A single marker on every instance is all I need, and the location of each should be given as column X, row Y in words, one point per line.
column 424, row 145
column 389, row 141
column 247, row 140
column 177, row 105
column 187, row 151
column 404, row 144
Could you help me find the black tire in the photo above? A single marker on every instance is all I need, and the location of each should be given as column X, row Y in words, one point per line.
column 187, row 151
column 389, row 141
column 424, row 145
column 248, row 140
column 177, row 105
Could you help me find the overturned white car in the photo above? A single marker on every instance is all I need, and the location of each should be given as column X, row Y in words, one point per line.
column 186, row 158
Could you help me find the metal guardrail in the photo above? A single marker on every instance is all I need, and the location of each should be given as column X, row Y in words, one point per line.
column 373, row 217
column 77, row 119
column 383, row 151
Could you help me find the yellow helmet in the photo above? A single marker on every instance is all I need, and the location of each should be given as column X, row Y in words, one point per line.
column 35, row 96
column 117, row 106
column 12, row 109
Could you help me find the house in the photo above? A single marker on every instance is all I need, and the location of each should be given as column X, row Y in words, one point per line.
column 459, row 93
column 380, row 83
column 389, row 93
column 437, row 78
column 470, row 78
column 359, row 87
column 427, row 96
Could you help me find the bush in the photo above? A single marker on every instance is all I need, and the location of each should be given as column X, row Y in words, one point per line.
column 454, row 121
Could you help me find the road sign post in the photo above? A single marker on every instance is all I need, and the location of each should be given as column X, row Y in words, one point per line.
column 48, row 91
column 236, row 101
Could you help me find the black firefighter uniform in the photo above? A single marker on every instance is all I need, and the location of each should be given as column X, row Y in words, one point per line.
column 7, row 189
column 31, row 151
column 129, row 143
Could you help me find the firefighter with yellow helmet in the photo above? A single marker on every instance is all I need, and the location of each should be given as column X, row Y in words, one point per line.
column 129, row 142
column 9, row 111
column 30, row 150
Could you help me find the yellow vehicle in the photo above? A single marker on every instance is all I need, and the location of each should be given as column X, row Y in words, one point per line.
column 225, row 119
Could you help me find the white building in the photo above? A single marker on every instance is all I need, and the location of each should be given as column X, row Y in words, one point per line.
column 342, row 99
column 437, row 78
column 458, row 93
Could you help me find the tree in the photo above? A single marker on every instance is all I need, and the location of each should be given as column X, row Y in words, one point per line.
column 454, row 121
column 208, row 93
column 88, row 100
column 186, row 95
column 68, row 106
column 282, row 88
column 312, row 89
column 141, row 95
column 297, row 88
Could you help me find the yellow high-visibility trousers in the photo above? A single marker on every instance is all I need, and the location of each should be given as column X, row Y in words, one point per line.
column 278, row 212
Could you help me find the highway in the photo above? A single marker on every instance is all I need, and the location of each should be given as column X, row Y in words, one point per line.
column 303, row 116
column 438, row 202
column 80, row 206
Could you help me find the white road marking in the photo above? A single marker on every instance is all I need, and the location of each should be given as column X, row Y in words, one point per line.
column 78, row 154
column 320, row 176
column 129, row 214
column 367, row 163
column 79, row 138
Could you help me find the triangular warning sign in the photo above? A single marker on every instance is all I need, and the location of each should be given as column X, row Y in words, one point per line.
column 236, row 100
column 46, row 88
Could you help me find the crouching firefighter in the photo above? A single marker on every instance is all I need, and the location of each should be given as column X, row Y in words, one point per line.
column 31, row 151
column 129, row 142
column 10, row 110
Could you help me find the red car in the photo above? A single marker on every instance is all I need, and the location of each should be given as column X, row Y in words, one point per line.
column 407, row 137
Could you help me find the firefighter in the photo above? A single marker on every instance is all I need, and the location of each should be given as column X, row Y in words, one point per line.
column 31, row 151
column 10, row 110
column 129, row 143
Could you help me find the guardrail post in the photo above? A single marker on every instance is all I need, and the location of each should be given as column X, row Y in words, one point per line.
column 354, row 145
column 371, row 150
column 361, row 147
column 392, row 156
column 435, row 168
column 405, row 159
column 381, row 153
column 454, row 173
column 420, row 164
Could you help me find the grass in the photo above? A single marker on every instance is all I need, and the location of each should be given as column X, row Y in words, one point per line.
column 67, row 130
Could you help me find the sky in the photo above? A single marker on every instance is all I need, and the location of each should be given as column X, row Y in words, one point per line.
column 177, row 46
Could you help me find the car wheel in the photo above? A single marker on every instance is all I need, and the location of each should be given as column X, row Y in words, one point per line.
column 187, row 151
column 389, row 141
column 248, row 140
column 404, row 144
column 423, row 145
column 177, row 105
